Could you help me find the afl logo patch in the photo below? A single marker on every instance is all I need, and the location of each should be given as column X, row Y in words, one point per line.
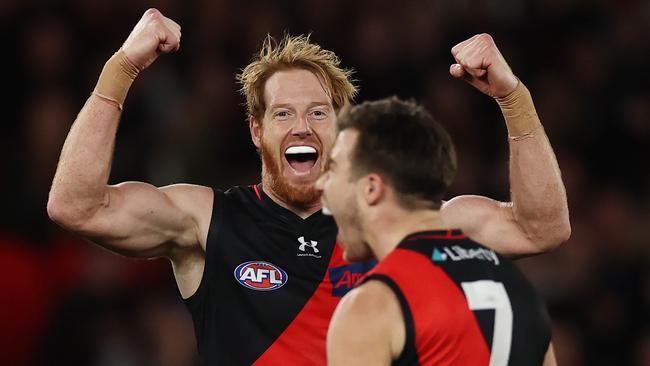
column 260, row 276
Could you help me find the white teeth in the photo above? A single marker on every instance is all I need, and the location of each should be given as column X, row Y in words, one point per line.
column 300, row 150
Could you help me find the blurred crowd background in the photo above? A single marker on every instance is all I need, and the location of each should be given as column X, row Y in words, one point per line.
column 66, row 302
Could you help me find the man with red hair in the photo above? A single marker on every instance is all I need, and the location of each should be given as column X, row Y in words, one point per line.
column 258, row 266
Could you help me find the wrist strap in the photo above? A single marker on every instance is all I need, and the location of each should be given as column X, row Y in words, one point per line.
column 116, row 79
column 520, row 114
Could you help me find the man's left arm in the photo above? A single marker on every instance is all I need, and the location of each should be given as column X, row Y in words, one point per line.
column 537, row 218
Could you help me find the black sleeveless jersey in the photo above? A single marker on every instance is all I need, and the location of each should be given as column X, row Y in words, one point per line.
column 463, row 304
column 270, row 285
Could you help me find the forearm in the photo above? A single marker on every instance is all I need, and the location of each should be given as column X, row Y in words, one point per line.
column 537, row 191
column 84, row 166
column 81, row 177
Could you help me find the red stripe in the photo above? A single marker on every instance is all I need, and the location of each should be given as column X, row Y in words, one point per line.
column 449, row 236
column 446, row 330
column 303, row 342
column 257, row 192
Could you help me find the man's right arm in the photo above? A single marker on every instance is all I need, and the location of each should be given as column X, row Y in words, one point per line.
column 132, row 218
column 367, row 327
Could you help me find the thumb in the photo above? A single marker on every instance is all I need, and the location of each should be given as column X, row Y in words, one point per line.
column 457, row 71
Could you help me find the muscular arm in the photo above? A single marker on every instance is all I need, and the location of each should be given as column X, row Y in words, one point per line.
column 537, row 218
column 131, row 218
column 367, row 328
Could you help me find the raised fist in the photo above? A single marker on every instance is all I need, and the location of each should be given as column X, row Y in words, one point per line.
column 153, row 35
column 479, row 62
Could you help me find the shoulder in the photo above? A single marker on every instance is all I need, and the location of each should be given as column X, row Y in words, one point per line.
column 367, row 300
column 369, row 317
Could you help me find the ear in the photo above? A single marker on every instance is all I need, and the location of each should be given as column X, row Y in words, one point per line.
column 374, row 189
column 256, row 131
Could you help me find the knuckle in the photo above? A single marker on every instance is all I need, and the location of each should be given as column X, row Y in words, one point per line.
column 487, row 38
column 152, row 12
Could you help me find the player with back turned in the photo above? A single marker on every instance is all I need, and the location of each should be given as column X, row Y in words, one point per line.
column 258, row 266
column 436, row 297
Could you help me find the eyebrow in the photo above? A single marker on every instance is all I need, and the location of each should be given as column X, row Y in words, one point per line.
column 289, row 106
column 282, row 105
column 318, row 104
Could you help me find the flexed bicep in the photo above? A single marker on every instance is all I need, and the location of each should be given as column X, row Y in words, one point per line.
column 489, row 222
column 141, row 220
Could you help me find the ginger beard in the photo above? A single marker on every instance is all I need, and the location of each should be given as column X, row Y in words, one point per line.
column 301, row 195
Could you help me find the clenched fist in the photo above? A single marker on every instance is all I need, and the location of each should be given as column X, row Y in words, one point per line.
column 479, row 62
column 153, row 35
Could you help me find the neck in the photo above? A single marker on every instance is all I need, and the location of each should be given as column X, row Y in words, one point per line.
column 302, row 210
column 389, row 228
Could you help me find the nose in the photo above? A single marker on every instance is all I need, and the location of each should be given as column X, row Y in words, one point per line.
column 302, row 127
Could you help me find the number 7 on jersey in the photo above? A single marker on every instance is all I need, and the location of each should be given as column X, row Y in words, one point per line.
column 486, row 295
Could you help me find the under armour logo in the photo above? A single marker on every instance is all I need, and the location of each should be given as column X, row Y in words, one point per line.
column 312, row 244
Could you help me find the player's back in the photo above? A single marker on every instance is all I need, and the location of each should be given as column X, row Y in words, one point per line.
column 463, row 304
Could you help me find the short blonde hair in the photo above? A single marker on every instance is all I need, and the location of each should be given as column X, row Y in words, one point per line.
column 295, row 52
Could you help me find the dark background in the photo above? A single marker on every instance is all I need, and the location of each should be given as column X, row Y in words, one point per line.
column 64, row 301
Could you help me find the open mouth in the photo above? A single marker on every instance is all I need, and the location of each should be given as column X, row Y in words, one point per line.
column 301, row 158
